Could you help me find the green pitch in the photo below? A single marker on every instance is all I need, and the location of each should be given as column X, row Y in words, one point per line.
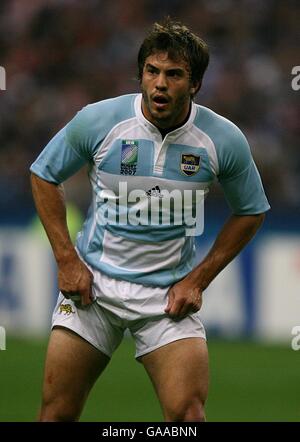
column 249, row 382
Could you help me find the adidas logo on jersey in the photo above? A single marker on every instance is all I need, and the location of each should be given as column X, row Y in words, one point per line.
column 154, row 192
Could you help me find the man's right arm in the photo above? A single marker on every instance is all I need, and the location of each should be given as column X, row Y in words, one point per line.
column 74, row 278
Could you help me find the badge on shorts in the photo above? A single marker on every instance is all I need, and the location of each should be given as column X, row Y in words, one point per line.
column 190, row 164
column 66, row 309
column 129, row 157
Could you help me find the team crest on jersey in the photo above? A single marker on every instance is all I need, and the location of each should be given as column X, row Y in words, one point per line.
column 129, row 157
column 190, row 164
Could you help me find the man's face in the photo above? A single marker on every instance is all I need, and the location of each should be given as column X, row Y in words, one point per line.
column 166, row 89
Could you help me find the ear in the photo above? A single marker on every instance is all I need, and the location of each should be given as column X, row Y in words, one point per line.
column 195, row 87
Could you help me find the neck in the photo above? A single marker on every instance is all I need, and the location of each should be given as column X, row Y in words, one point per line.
column 164, row 131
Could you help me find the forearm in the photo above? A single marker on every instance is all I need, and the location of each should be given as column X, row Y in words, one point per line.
column 50, row 204
column 233, row 237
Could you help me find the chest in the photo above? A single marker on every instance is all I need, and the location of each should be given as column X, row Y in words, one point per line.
column 164, row 160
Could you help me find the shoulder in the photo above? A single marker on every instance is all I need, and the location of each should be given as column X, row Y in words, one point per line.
column 119, row 108
column 105, row 113
column 229, row 141
column 92, row 123
column 222, row 131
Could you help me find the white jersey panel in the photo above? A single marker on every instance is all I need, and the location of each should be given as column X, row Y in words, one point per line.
column 140, row 256
column 198, row 137
column 128, row 128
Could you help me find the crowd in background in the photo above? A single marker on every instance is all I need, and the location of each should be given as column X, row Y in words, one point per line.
column 60, row 55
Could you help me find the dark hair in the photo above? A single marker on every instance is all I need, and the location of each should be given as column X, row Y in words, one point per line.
column 176, row 39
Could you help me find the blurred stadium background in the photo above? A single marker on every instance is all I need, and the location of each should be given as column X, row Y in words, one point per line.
column 60, row 55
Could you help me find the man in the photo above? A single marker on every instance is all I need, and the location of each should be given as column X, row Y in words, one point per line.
column 134, row 275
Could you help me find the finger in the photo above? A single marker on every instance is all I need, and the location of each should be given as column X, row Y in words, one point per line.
column 198, row 304
column 176, row 308
column 185, row 308
column 86, row 298
column 184, row 311
column 189, row 308
column 181, row 312
column 170, row 301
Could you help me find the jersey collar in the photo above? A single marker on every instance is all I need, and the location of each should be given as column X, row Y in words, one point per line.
column 152, row 128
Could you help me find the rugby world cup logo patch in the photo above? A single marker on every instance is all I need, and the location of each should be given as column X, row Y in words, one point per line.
column 129, row 157
column 190, row 164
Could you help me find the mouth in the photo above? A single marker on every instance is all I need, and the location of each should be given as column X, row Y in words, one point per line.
column 161, row 101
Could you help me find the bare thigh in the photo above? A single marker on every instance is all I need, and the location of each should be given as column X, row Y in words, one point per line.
column 72, row 366
column 179, row 373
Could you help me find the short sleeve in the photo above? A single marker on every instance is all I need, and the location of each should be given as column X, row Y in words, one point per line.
column 64, row 155
column 239, row 177
column 79, row 141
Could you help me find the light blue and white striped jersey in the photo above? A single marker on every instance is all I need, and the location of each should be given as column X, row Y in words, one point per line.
column 126, row 154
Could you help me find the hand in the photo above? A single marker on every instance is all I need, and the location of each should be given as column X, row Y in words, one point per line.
column 75, row 282
column 183, row 299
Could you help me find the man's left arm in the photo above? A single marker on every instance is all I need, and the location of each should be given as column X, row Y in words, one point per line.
column 185, row 296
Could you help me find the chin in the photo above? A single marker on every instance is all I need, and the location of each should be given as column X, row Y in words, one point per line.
column 160, row 118
column 160, row 115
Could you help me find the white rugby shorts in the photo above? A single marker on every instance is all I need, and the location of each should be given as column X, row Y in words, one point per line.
column 121, row 305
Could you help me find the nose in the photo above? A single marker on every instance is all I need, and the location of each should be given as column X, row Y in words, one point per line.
column 161, row 82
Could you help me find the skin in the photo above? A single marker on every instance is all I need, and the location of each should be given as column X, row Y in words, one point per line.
column 71, row 369
column 74, row 278
column 163, row 77
column 180, row 386
column 185, row 296
column 168, row 78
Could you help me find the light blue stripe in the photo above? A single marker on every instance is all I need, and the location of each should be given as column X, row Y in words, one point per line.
column 145, row 152
column 238, row 174
column 161, row 278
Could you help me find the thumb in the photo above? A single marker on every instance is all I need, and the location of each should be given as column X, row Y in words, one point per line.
column 170, row 301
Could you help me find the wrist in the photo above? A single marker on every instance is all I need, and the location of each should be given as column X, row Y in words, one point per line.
column 66, row 256
column 200, row 277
